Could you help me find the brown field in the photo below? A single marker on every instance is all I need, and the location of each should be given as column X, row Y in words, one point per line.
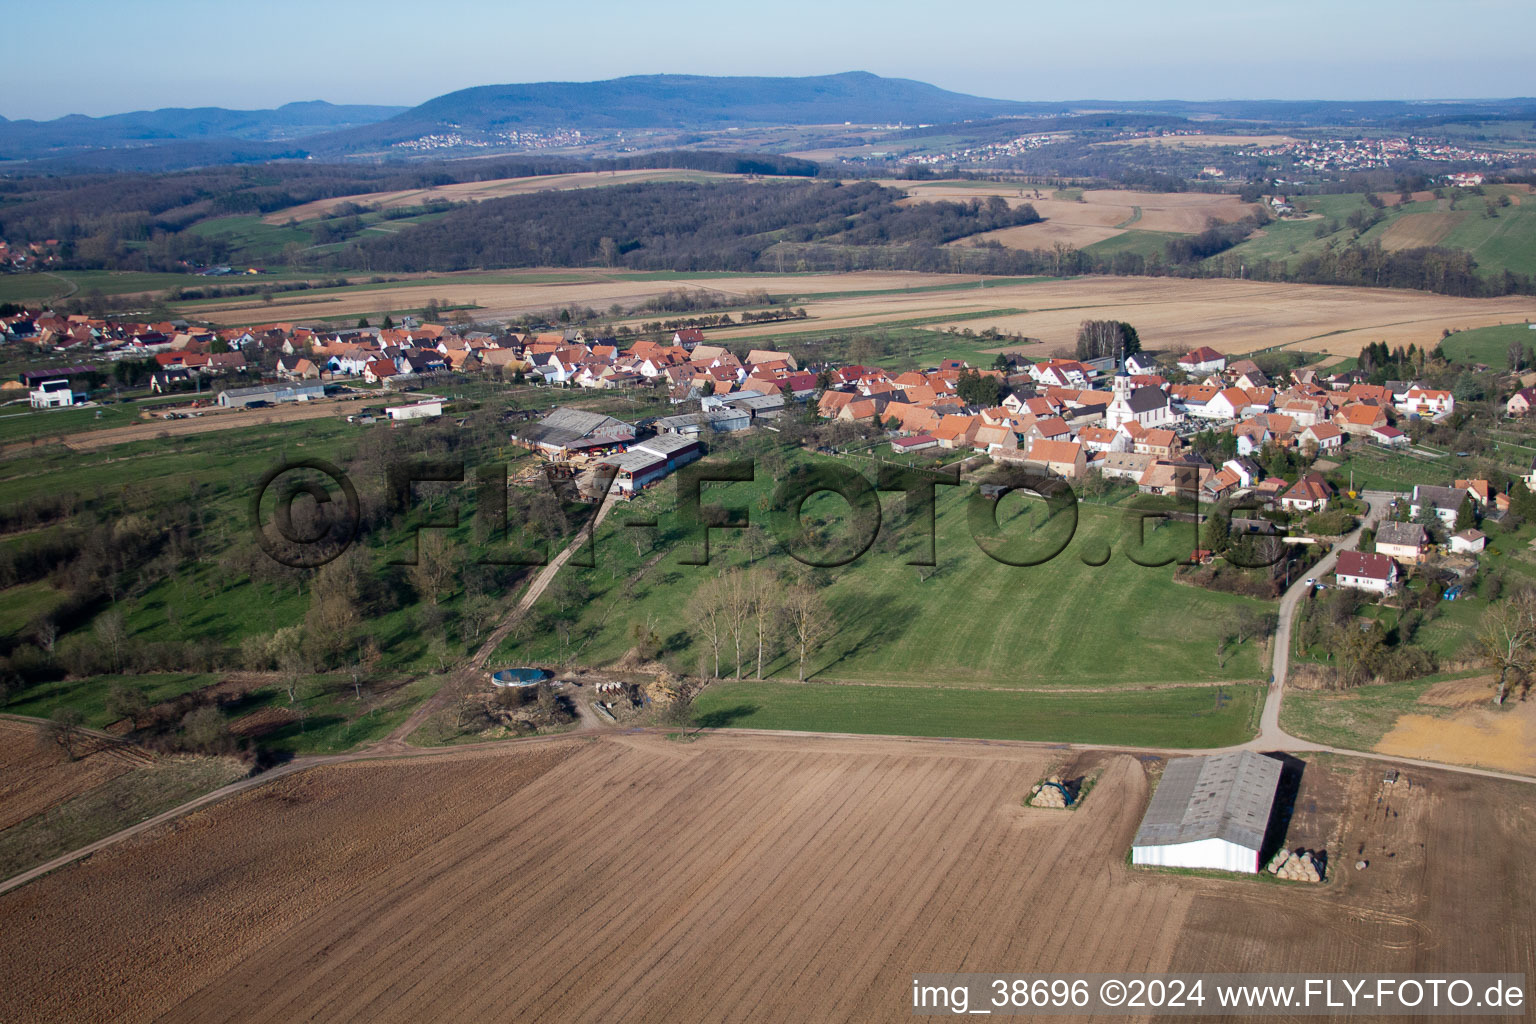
column 738, row 877
column 211, row 419
column 33, row 779
column 1103, row 213
column 1171, row 313
column 494, row 295
column 478, row 191
column 1230, row 316
column 1420, row 229
column 1479, row 735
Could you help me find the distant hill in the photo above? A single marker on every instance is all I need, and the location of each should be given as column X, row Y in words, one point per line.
column 76, row 133
column 680, row 102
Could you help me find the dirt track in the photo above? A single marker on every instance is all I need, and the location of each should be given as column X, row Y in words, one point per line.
column 290, row 412
column 763, row 877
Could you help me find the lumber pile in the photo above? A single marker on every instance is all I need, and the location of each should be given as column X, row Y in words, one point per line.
column 1298, row 866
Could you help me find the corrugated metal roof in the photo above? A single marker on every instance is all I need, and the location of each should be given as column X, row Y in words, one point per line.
column 1226, row 796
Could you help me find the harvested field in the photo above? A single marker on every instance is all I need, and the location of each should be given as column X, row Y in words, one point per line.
column 33, row 779
column 1239, row 316
column 1171, row 313
column 1103, row 213
column 1479, row 736
column 633, row 878
column 493, row 294
column 478, row 191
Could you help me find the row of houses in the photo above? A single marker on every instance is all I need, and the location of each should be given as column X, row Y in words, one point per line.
column 1059, row 415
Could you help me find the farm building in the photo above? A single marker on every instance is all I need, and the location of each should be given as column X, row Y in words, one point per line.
column 426, row 410
column 754, row 403
column 567, row 432
column 270, row 394
column 1209, row 812
column 916, row 443
column 647, row 462
column 695, row 422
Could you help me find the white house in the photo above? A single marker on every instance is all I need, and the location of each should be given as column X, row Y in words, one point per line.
column 1468, row 542
column 1140, row 363
column 1446, row 502
column 1209, row 812
column 1203, row 360
column 52, row 394
column 1371, row 571
column 1325, row 435
column 1426, row 402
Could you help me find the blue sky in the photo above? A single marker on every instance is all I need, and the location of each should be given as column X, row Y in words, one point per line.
column 114, row 56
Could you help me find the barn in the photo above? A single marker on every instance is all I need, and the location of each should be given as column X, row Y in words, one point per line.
column 1209, row 812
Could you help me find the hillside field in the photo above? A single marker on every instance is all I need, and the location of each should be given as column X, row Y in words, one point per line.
column 1506, row 241
column 1064, row 624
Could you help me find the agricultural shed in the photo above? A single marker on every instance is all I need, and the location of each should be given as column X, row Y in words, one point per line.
column 1209, row 812
column 567, row 431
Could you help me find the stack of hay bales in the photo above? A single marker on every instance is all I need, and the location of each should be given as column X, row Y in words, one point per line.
column 1300, row 866
column 1043, row 795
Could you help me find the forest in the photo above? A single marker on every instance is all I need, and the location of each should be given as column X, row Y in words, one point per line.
column 675, row 226
column 112, row 212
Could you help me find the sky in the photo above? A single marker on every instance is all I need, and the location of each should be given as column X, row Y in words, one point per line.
column 163, row 53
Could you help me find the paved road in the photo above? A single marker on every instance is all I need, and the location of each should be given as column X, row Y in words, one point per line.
column 1271, row 736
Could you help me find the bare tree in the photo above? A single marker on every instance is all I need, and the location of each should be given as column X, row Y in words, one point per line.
column 434, row 566
column 808, row 619
column 766, row 594
column 63, row 729
column 112, row 632
column 1507, row 638
column 738, row 598
column 706, row 614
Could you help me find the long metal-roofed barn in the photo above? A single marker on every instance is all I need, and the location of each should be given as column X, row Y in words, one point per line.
column 1209, row 812
column 567, row 431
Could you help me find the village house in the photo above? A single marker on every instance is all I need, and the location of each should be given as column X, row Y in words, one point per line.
column 1161, row 444
column 1371, row 572
column 1402, row 542
column 1446, row 502
column 1520, row 402
column 1389, row 437
column 1325, row 436
column 1311, row 493
column 1359, row 418
column 1426, row 402
column 1202, row 360
column 1064, row 458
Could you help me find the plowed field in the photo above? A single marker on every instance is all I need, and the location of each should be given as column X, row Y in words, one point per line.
column 738, row 877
